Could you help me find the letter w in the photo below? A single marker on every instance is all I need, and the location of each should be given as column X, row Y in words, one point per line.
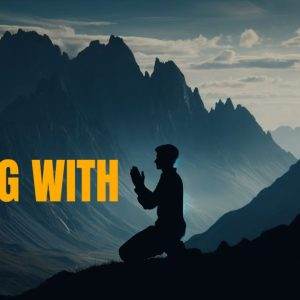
column 50, row 181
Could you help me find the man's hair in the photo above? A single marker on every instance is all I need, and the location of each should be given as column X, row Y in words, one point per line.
column 168, row 152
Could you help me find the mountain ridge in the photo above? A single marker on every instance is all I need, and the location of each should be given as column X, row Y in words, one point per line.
column 276, row 204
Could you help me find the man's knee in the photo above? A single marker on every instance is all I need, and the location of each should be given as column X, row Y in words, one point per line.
column 145, row 244
column 129, row 251
column 124, row 252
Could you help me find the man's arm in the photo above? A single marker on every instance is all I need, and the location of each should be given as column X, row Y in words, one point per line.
column 146, row 198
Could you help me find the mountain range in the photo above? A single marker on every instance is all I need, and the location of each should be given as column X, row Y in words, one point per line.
column 277, row 204
column 288, row 138
column 100, row 105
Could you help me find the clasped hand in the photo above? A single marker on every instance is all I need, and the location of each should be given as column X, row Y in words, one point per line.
column 137, row 177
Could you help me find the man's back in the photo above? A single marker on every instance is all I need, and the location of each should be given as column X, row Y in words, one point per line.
column 169, row 191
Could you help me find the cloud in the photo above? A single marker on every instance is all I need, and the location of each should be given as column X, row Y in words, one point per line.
column 294, row 41
column 259, row 78
column 48, row 23
column 222, row 84
column 64, row 34
column 228, row 59
column 249, row 38
column 152, row 46
column 80, row 23
column 240, row 82
column 227, row 56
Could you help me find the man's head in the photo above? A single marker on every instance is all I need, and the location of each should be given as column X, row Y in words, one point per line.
column 166, row 156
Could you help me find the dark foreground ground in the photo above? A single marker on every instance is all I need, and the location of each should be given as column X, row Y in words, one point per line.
column 267, row 267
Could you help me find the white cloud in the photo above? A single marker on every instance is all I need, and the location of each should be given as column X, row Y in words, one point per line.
column 241, row 82
column 249, row 38
column 294, row 41
column 152, row 46
column 63, row 34
column 78, row 22
column 260, row 78
column 228, row 59
column 48, row 23
column 227, row 56
column 221, row 84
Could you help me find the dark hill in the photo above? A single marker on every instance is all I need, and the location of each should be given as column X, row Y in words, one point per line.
column 264, row 265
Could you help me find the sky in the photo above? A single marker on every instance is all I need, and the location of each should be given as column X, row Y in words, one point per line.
column 246, row 50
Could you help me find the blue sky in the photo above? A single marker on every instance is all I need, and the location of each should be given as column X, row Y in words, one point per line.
column 247, row 50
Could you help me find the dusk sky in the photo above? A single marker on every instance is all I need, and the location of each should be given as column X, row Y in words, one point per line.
column 246, row 50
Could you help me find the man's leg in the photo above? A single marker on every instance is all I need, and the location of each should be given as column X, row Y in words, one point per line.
column 144, row 244
column 175, row 249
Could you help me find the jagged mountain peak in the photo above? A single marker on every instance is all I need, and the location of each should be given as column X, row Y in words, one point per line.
column 29, row 45
column 166, row 66
column 117, row 45
column 197, row 96
column 229, row 104
column 7, row 35
column 28, row 38
column 269, row 134
column 95, row 44
column 116, row 40
column 115, row 56
column 25, row 58
column 222, row 106
column 219, row 104
column 196, row 92
column 167, row 71
column 94, row 49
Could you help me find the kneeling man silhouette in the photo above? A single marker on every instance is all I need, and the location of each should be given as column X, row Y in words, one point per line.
column 165, row 235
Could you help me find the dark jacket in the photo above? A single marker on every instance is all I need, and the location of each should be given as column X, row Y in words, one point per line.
column 168, row 198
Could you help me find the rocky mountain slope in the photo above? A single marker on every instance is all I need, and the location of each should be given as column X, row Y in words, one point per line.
column 277, row 204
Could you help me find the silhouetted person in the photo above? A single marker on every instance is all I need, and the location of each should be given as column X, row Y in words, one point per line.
column 169, row 227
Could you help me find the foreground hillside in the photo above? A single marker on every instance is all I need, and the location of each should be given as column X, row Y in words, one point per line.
column 265, row 265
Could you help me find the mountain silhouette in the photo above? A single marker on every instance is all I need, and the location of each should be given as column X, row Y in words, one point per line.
column 277, row 204
column 100, row 105
column 25, row 59
column 288, row 138
column 263, row 266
